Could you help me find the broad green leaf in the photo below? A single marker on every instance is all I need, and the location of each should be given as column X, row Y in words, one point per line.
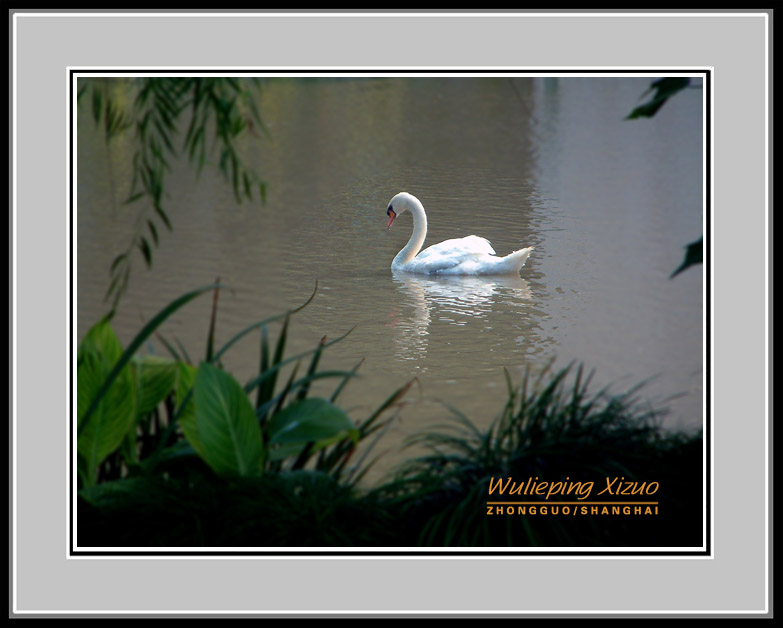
column 313, row 420
column 125, row 357
column 102, row 340
column 129, row 447
column 186, row 377
column 115, row 412
column 81, row 469
column 154, row 378
column 285, row 450
column 226, row 423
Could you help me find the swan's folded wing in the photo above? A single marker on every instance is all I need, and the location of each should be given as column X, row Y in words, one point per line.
column 465, row 253
column 435, row 263
column 456, row 248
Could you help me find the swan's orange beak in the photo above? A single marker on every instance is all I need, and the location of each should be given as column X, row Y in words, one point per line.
column 392, row 216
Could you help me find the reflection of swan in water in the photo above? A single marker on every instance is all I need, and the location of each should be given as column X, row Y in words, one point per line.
column 452, row 300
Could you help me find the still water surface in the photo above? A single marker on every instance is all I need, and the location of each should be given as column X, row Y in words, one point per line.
column 607, row 203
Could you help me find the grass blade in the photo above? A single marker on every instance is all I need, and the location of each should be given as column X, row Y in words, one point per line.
column 264, row 363
column 342, row 384
column 266, row 321
column 311, row 371
column 168, row 346
column 267, row 389
column 212, row 319
column 272, row 370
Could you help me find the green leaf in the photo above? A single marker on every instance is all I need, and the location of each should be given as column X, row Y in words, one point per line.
column 154, row 379
column 102, row 340
column 163, row 107
column 186, row 408
column 264, row 365
column 164, row 217
column 310, row 420
column 117, row 261
column 338, row 455
column 342, row 384
column 123, row 360
column 114, row 413
column 664, row 89
column 311, row 371
column 153, row 231
column 261, row 324
column 145, row 249
column 271, row 381
column 693, row 256
column 281, row 451
column 183, row 350
column 212, row 320
column 226, row 423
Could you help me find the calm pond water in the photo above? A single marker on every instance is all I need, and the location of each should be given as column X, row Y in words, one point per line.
column 607, row 203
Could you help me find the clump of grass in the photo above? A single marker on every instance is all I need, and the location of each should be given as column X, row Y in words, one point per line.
column 173, row 453
column 551, row 428
column 156, row 467
column 138, row 411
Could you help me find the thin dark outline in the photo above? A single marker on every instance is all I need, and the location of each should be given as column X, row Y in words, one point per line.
column 707, row 163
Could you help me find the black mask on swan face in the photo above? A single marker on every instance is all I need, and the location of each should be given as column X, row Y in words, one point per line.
column 399, row 204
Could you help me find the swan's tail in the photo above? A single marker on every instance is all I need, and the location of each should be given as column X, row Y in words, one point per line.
column 517, row 259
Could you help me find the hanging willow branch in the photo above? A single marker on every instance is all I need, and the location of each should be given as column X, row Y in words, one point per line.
column 220, row 108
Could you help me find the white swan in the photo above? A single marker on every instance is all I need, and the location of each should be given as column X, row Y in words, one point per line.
column 462, row 256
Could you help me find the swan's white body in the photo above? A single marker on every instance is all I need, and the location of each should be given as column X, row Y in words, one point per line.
column 462, row 256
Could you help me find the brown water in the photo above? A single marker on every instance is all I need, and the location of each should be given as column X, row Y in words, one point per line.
column 548, row 162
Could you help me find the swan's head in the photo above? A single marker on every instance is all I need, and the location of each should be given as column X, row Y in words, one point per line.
column 400, row 203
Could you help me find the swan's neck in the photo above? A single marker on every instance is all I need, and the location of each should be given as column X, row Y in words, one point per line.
column 417, row 238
